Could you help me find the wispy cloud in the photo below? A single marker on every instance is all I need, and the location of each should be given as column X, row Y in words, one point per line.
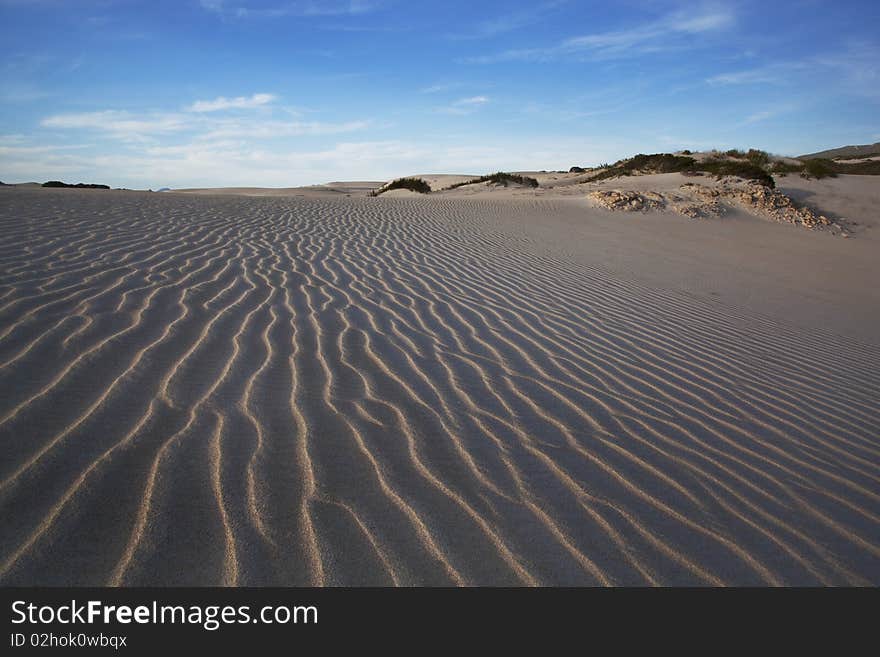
column 770, row 74
column 123, row 125
column 668, row 33
column 241, row 9
column 473, row 100
column 510, row 21
column 201, row 123
column 464, row 105
column 22, row 93
column 440, row 87
column 855, row 69
column 756, row 76
column 280, row 129
column 769, row 113
column 239, row 102
column 229, row 163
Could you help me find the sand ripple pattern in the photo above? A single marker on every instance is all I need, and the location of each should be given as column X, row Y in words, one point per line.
column 199, row 390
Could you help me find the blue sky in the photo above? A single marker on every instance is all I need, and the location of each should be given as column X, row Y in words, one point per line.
column 152, row 93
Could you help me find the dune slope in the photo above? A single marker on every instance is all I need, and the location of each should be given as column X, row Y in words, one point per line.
column 290, row 391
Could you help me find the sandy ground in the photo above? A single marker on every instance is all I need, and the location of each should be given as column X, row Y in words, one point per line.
column 353, row 188
column 486, row 389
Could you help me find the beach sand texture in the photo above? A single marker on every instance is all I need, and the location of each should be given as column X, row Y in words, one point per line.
column 199, row 389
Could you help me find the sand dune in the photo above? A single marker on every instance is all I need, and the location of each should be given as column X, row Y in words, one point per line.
column 324, row 391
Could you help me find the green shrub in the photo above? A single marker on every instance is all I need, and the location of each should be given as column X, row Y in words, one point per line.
column 758, row 158
column 666, row 163
column 819, row 168
column 499, row 178
column 412, row 184
column 58, row 183
column 656, row 163
column 745, row 170
column 866, row 168
column 783, row 168
column 734, row 152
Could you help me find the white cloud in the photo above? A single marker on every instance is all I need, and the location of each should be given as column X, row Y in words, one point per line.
column 231, row 163
column 757, row 117
column 239, row 102
column 243, row 9
column 464, row 105
column 279, row 129
column 437, row 88
column 147, row 127
column 120, row 124
column 757, row 76
column 473, row 100
column 852, row 70
column 668, row 33
column 510, row 21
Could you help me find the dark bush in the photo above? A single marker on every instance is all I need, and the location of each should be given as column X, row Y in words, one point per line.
column 666, row 163
column 819, row 168
column 734, row 152
column 499, row 178
column 577, row 170
column 686, row 152
column 758, row 158
column 656, row 163
column 866, row 168
column 413, row 184
column 745, row 170
column 58, row 183
column 783, row 168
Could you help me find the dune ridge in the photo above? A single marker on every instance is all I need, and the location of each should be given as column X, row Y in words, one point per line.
column 308, row 391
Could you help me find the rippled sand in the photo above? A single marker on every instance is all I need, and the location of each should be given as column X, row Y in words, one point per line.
column 302, row 391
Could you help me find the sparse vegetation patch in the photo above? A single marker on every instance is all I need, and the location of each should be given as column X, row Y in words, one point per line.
column 655, row 163
column 58, row 183
column 819, row 168
column 866, row 168
column 758, row 158
column 412, row 184
column 745, row 170
column 667, row 163
column 499, row 178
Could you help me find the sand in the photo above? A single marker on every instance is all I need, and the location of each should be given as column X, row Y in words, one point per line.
column 494, row 389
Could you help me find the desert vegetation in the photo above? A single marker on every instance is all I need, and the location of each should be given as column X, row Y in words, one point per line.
column 499, row 178
column 758, row 157
column 58, row 183
column 412, row 184
column 783, row 168
column 865, row 168
column 746, row 170
column 668, row 163
column 655, row 163
column 819, row 168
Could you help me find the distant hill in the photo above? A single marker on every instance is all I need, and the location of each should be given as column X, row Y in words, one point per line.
column 845, row 152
